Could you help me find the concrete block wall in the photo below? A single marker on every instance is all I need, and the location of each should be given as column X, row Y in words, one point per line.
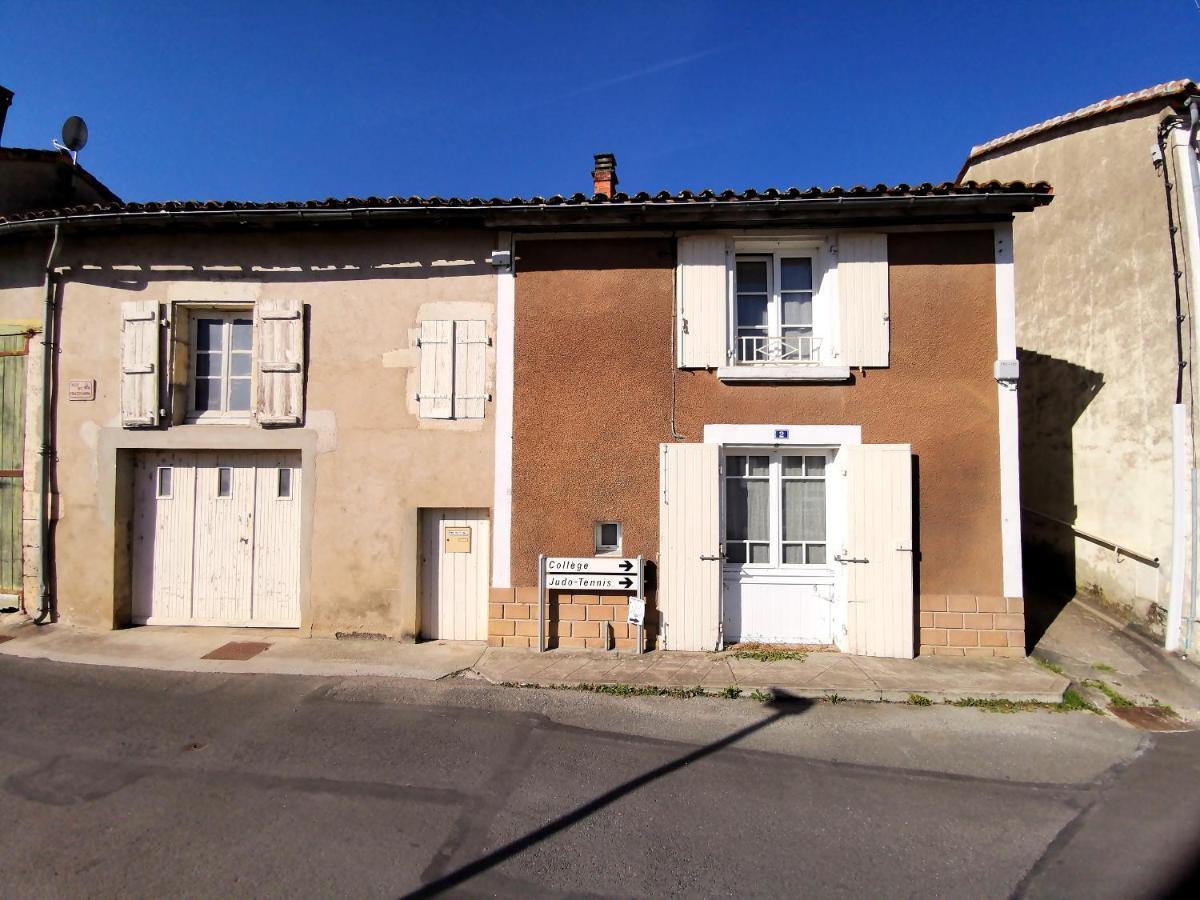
column 594, row 621
column 970, row 625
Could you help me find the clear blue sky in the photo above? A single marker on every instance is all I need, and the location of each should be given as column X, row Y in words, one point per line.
column 265, row 100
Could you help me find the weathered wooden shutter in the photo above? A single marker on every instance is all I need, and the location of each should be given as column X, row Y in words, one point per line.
column 862, row 273
column 470, row 385
column 139, row 363
column 702, row 278
column 878, row 556
column 437, row 369
column 689, row 535
column 279, row 347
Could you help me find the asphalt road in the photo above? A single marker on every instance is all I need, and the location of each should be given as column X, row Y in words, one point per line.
column 131, row 783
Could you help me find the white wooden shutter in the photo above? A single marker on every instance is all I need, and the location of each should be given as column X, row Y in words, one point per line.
column 437, row 369
column 139, row 363
column 470, row 386
column 279, row 349
column 689, row 535
column 878, row 556
column 702, row 278
column 862, row 273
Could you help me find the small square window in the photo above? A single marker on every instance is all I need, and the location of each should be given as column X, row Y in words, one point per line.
column 164, row 483
column 608, row 538
column 284, row 486
column 224, row 481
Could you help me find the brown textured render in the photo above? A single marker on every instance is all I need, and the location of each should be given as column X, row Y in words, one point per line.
column 593, row 386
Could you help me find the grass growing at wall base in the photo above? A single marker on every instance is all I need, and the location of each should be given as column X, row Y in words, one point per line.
column 1072, row 701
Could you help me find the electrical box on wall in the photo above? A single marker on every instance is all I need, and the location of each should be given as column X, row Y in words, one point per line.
column 1007, row 370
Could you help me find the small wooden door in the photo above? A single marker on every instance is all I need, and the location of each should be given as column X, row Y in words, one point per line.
column 878, row 555
column 455, row 557
column 689, row 534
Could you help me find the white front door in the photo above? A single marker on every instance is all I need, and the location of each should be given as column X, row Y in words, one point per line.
column 779, row 582
column 454, row 574
column 216, row 538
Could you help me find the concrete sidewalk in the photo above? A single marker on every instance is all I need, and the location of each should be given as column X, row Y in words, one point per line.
column 261, row 651
column 818, row 676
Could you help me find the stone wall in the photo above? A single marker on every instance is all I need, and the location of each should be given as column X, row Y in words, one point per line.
column 970, row 625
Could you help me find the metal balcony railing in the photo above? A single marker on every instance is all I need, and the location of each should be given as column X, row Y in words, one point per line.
column 792, row 349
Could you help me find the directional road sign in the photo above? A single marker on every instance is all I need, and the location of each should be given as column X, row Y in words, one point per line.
column 591, row 582
column 593, row 565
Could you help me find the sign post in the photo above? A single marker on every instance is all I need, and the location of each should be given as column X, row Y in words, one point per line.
column 593, row 573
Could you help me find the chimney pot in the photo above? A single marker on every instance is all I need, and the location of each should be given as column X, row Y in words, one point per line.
column 604, row 175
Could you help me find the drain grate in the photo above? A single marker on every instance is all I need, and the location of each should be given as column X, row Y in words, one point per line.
column 237, row 650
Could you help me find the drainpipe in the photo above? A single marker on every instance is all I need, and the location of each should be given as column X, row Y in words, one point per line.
column 49, row 344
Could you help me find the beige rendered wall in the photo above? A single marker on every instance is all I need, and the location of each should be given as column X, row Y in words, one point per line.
column 370, row 463
column 1096, row 328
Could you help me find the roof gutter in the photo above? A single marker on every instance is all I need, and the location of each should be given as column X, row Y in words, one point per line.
column 1002, row 202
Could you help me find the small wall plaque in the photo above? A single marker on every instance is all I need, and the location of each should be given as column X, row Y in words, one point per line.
column 458, row 539
column 81, row 389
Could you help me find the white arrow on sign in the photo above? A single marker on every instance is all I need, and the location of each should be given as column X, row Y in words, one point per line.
column 591, row 582
column 593, row 565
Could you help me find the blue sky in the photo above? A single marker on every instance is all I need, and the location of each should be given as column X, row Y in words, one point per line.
column 265, row 100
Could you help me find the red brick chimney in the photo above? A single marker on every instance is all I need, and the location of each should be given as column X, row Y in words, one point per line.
column 604, row 176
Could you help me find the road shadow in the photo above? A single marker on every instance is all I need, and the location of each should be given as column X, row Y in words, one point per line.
column 783, row 706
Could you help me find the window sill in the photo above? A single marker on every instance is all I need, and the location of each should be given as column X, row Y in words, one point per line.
column 762, row 374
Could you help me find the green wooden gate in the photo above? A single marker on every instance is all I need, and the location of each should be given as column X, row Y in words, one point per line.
column 14, row 350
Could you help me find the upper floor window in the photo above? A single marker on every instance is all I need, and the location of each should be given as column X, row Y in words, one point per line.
column 222, row 345
column 774, row 310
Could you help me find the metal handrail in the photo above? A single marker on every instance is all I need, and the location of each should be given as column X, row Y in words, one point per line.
column 766, row 349
column 1096, row 539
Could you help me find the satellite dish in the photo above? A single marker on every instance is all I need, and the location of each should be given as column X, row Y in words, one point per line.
column 74, row 134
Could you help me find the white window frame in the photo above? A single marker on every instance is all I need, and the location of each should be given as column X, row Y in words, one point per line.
column 775, row 457
column 602, row 549
column 775, row 325
column 227, row 314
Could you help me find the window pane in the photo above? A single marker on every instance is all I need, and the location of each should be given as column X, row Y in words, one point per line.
column 760, row 553
column 816, row 554
column 239, row 394
column 795, row 274
column 735, row 553
column 752, row 312
column 224, row 482
column 243, row 330
column 239, row 363
column 815, row 466
column 793, row 554
column 208, row 334
column 752, row 276
column 285, row 484
column 759, row 465
column 208, row 394
column 608, row 534
column 735, row 465
column 747, row 511
column 164, row 481
column 797, row 309
column 735, row 509
column 793, row 465
column 208, row 364
column 804, row 510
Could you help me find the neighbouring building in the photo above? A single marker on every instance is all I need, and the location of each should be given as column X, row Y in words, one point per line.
column 800, row 404
column 1107, row 330
column 370, row 416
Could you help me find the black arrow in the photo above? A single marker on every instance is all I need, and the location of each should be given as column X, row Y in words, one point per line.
column 626, row 582
column 627, row 565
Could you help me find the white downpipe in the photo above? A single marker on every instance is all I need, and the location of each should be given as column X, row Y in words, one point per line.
column 1180, row 516
column 502, row 490
column 1006, row 400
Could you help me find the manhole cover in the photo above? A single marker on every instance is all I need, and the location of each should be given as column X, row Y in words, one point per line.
column 237, row 650
column 1149, row 718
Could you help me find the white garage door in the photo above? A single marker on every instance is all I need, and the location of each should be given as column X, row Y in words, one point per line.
column 216, row 539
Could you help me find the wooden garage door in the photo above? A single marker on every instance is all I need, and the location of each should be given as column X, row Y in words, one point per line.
column 216, row 539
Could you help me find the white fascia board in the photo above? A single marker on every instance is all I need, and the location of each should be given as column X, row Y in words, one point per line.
column 797, row 435
column 502, row 492
column 1010, row 481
